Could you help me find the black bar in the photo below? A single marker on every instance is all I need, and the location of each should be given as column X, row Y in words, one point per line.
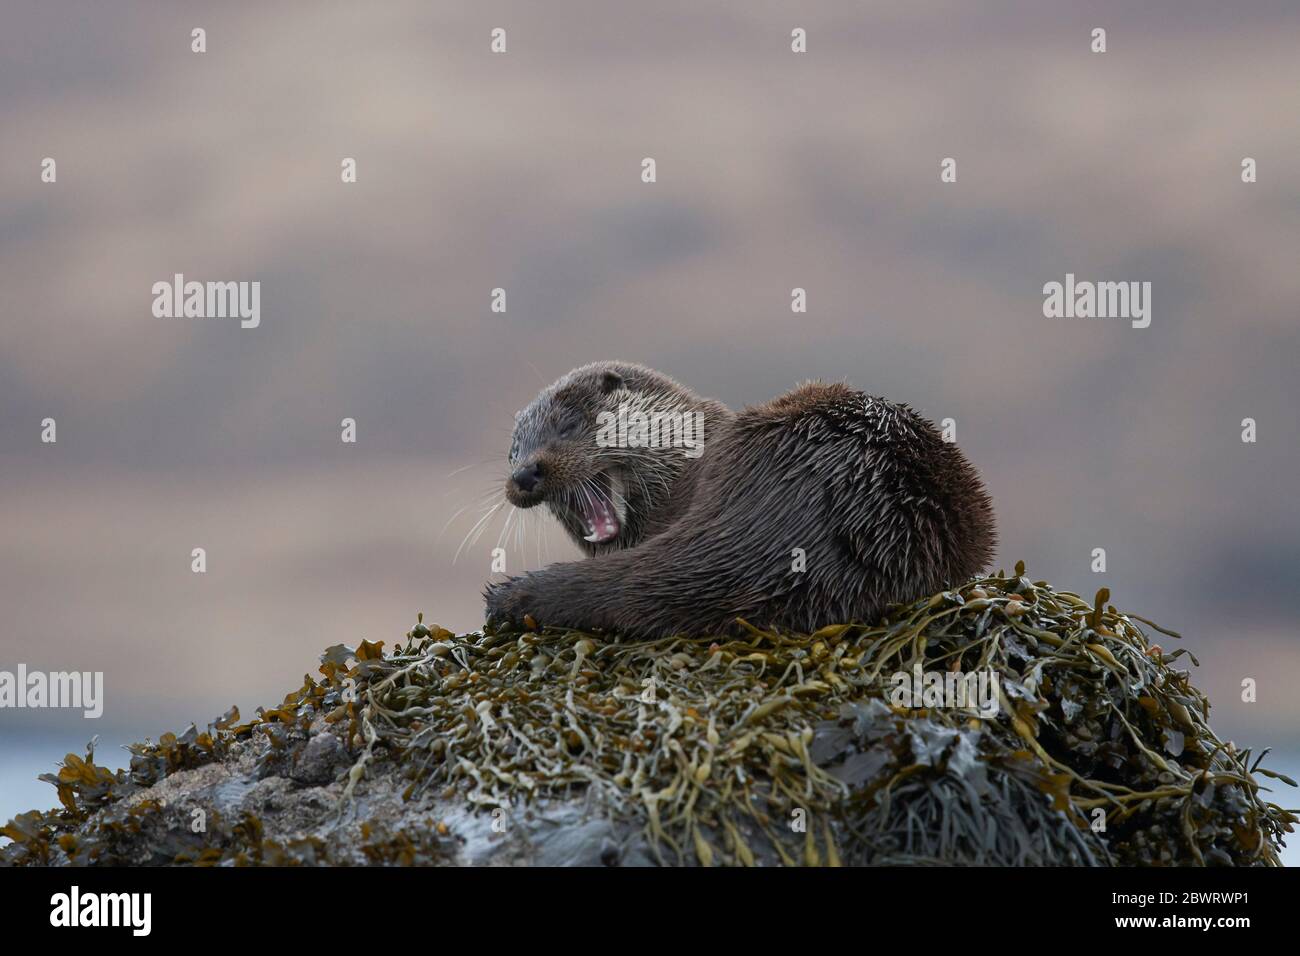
column 260, row 906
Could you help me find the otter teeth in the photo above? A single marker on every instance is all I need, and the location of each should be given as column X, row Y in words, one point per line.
column 602, row 523
column 602, row 530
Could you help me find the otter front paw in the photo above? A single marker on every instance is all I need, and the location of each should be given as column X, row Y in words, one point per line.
column 509, row 602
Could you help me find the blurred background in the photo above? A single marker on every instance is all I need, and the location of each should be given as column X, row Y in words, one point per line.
column 522, row 171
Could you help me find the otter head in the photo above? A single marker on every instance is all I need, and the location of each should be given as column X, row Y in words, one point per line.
column 564, row 453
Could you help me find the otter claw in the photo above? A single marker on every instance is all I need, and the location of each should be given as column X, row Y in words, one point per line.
column 505, row 602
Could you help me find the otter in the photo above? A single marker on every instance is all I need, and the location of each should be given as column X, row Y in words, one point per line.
column 822, row 506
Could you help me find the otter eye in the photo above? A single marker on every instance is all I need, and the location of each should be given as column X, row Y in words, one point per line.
column 571, row 430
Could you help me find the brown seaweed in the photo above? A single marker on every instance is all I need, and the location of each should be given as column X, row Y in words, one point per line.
column 764, row 746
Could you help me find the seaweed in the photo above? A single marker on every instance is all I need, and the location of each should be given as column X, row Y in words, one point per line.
column 760, row 746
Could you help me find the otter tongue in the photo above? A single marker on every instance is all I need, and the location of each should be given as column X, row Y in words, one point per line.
column 601, row 521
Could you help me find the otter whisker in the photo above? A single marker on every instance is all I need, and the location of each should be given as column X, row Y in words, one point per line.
column 474, row 464
column 603, row 494
column 478, row 526
column 482, row 501
column 505, row 528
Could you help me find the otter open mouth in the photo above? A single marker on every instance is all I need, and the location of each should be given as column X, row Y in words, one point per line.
column 602, row 511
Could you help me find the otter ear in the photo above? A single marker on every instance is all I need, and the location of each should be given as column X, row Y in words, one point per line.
column 610, row 381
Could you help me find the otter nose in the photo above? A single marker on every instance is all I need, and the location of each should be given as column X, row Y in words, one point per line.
column 527, row 478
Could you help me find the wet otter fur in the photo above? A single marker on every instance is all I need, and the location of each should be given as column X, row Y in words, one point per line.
column 880, row 507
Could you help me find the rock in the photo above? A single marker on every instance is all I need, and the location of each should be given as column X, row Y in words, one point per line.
column 557, row 748
column 320, row 761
